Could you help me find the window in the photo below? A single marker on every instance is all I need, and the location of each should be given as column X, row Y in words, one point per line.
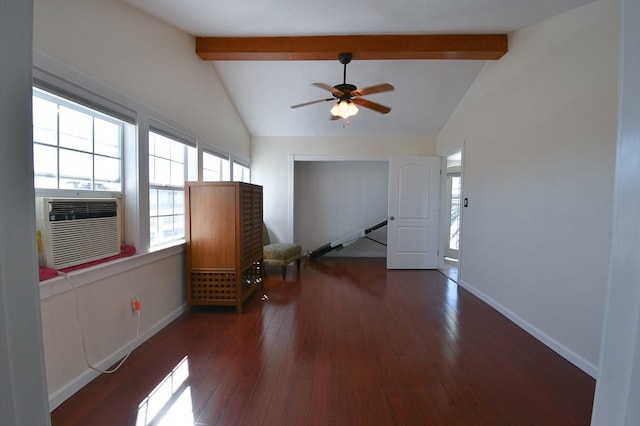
column 214, row 167
column 75, row 147
column 454, row 213
column 241, row 173
column 171, row 163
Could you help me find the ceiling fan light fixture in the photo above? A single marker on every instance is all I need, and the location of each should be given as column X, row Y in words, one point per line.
column 347, row 95
column 344, row 109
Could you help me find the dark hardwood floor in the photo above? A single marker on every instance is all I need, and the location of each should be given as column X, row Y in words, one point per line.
column 345, row 342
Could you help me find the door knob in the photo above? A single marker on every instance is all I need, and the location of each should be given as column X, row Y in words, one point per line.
column 391, row 218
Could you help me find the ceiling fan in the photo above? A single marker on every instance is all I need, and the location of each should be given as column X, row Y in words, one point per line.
column 348, row 95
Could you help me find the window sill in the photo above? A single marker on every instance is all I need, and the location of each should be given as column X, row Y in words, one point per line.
column 79, row 278
column 166, row 246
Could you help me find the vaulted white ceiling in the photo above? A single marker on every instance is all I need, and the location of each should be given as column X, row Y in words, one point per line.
column 426, row 91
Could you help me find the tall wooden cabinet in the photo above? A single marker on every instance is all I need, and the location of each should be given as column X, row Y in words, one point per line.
column 224, row 261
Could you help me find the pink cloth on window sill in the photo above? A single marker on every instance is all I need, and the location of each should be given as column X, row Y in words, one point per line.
column 46, row 273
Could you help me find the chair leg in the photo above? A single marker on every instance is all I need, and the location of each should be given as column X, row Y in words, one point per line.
column 298, row 264
column 284, row 272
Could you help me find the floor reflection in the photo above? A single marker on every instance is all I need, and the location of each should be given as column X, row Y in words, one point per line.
column 451, row 321
column 375, row 284
column 169, row 403
column 450, row 269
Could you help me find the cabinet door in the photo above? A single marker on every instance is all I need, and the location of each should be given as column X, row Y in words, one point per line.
column 212, row 226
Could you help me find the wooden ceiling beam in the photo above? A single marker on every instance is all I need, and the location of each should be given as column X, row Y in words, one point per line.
column 312, row 48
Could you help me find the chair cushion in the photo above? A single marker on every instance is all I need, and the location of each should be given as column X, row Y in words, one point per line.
column 281, row 253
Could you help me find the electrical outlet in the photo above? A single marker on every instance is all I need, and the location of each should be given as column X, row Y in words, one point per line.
column 135, row 306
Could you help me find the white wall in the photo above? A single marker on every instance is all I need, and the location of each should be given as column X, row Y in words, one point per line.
column 143, row 59
column 334, row 198
column 270, row 165
column 100, row 309
column 539, row 127
column 22, row 375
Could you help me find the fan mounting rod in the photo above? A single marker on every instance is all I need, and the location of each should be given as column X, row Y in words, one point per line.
column 344, row 59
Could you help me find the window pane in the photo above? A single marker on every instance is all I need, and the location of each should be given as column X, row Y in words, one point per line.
column 177, row 174
column 153, row 231
column 107, row 174
column 153, row 202
column 107, row 138
column 226, row 170
column 165, row 202
column 212, row 167
column 162, row 172
column 192, row 163
column 76, row 170
column 162, row 146
column 45, row 166
column 76, row 130
column 165, row 225
column 45, row 121
column 210, row 162
column 152, row 144
column 177, row 152
column 208, row 175
column 178, row 226
column 178, row 202
column 240, row 173
column 152, row 169
column 454, row 214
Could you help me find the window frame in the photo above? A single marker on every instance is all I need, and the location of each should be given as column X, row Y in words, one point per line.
column 189, row 172
column 80, row 107
column 246, row 168
column 222, row 158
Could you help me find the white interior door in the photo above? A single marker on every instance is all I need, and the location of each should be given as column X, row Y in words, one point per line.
column 414, row 198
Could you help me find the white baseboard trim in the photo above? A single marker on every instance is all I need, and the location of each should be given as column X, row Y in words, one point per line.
column 60, row 395
column 563, row 351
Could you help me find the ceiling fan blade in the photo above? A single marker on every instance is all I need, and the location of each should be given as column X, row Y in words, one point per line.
column 371, row 105
column 384, row 87
column 331, row 89
column 312, row 102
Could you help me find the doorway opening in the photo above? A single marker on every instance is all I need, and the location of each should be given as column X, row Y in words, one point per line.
column 452, row 223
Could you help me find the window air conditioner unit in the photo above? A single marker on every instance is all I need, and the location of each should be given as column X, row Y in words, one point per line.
column 79, row 230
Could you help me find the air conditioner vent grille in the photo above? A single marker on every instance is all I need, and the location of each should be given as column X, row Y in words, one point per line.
column 80, row 231
column 81, row 209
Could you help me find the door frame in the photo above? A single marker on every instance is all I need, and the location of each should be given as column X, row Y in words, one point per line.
column 291, row 179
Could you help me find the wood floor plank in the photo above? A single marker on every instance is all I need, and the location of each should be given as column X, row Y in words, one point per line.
column 344, row 342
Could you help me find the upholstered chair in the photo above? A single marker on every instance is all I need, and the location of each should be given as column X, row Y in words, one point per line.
column 280, row 254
